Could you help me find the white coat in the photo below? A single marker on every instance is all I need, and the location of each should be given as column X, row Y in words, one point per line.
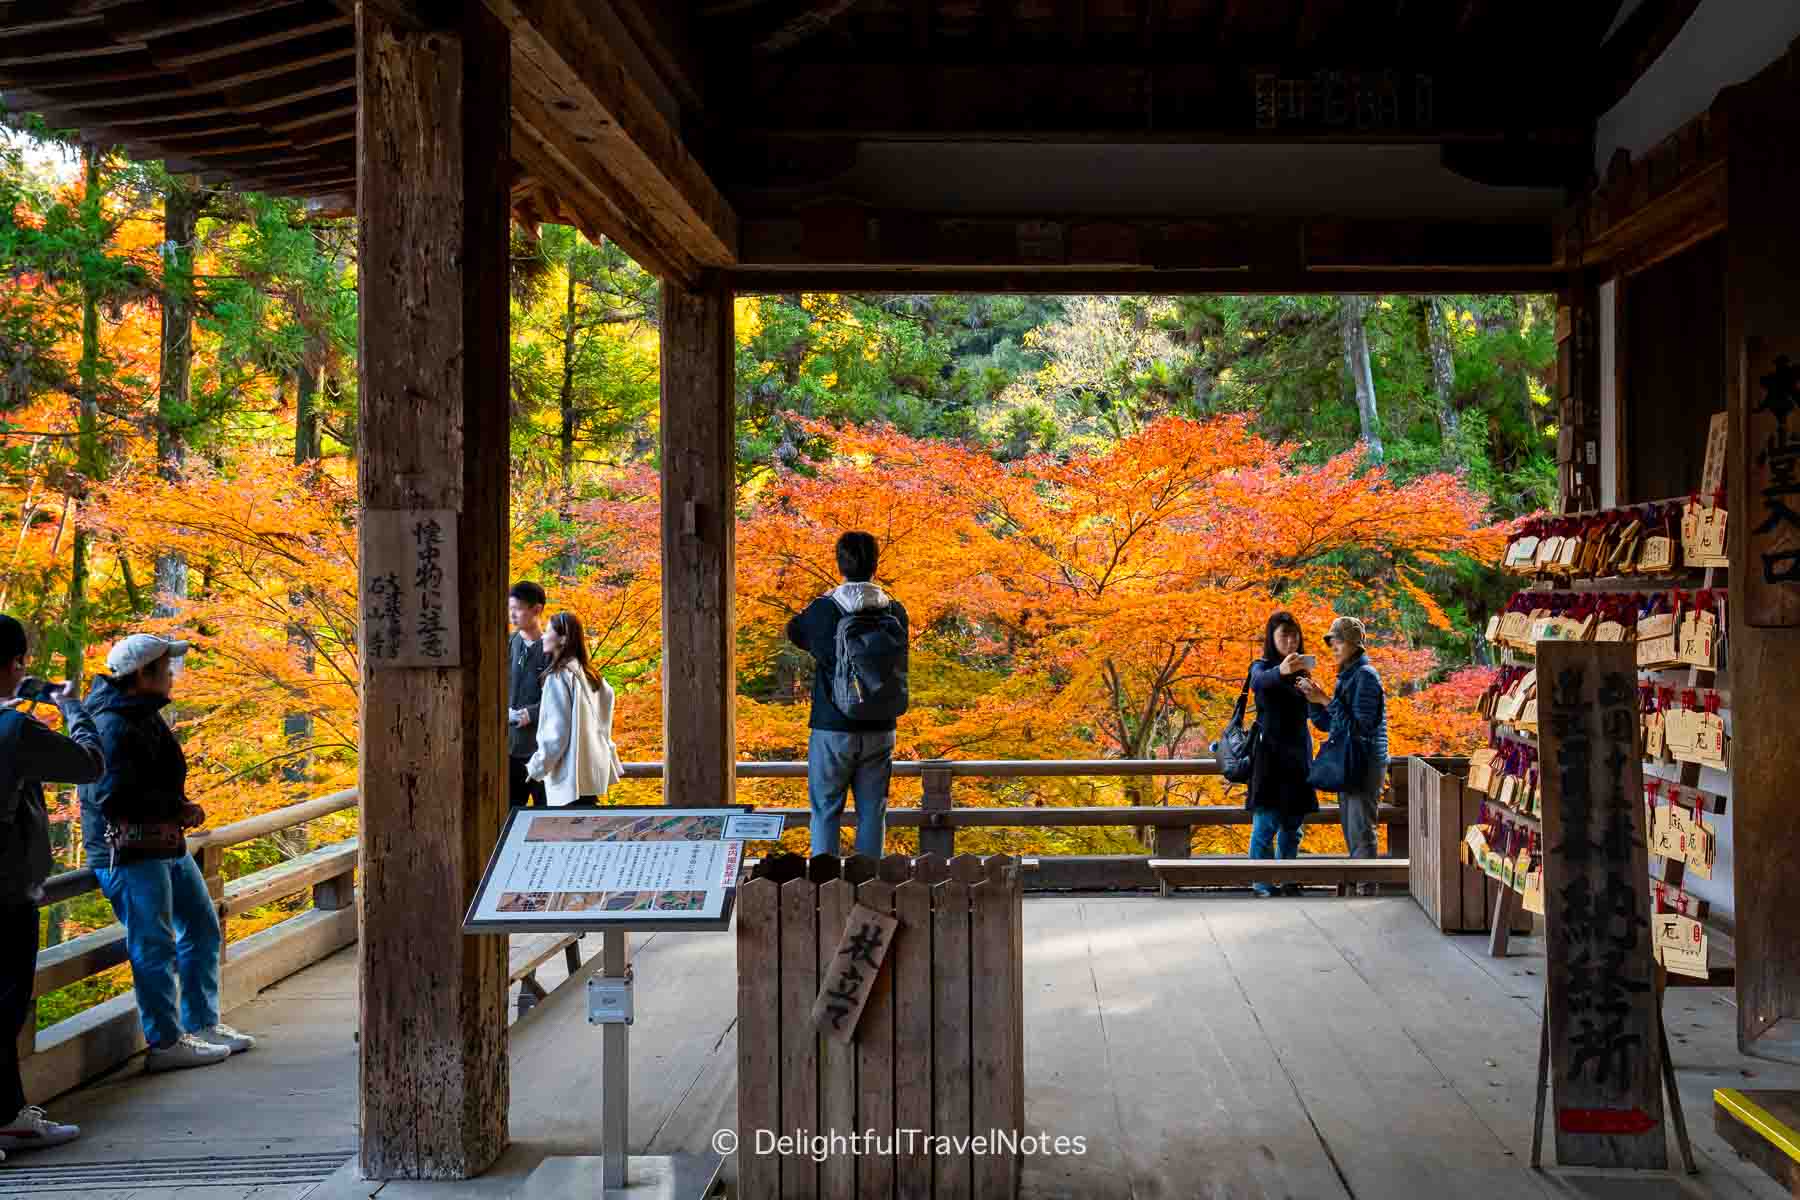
column 575, row 752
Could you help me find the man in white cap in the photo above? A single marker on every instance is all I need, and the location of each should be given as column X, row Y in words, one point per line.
column 133, row 824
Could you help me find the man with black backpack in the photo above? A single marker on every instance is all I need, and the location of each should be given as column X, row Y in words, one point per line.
column 857, row 636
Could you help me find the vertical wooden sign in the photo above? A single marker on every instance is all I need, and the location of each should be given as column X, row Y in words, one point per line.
column 409, row 594
column 1771, row 568
column 1605, row 1053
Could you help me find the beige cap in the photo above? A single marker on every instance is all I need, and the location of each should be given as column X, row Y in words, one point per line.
column 1348, row 628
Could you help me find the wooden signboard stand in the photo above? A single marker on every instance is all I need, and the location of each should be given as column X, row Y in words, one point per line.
column 1602, row 1028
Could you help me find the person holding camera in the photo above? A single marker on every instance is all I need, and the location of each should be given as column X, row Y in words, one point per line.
column 31, row 754
column 133, row 824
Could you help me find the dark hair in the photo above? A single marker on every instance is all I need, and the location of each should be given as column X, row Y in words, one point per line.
column 13, row 643
column 574, row 646
column 528, row 593
column 1277, row 619
column 857, row 555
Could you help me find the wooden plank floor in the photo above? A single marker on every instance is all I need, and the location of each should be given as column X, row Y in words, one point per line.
column 1201, row 1046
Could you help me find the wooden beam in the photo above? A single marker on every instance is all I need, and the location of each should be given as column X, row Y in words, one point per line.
column 163, row 18
column 1071, row 281
column 582, row 181
column 259, row 32
column 801, row 22
column 318, row 50
column 699, row 522
column 1155, row 94
column 852, row 236
column 432, row 240
column 560, row 47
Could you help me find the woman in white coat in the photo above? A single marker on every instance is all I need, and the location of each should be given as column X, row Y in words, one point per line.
column 575, row 755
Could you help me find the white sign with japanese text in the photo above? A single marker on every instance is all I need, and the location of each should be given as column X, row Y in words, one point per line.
column 594, row 867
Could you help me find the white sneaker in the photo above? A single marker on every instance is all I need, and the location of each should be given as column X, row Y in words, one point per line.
column 188, row 1051
column 226, row 1036
column 31, row 1129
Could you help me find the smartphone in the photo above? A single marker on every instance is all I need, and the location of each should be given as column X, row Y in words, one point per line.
column 34, row 689
column 1309, row 662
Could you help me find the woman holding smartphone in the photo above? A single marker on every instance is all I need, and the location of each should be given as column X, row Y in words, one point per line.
column 1280, row 798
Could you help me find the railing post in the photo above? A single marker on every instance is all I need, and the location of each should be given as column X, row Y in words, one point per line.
column 1398, row 788
column 335, row 893
column 1174, row 841
column 936, row 835
column 211, row 861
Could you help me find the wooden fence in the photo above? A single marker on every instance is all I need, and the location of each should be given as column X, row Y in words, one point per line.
column 940, row 1047
column 1456, row 898
column 1168, row 829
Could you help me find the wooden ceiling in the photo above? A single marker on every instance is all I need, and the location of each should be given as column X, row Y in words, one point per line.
column 657, row 122
column 259, row 93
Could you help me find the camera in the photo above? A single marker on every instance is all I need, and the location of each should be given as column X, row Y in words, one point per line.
column 34, row 689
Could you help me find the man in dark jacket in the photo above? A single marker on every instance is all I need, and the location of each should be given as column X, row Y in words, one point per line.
column 843, row 753
column 31, row 753
column 524, row 688
column 132, row 823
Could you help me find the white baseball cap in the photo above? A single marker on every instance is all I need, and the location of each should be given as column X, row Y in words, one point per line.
column 141, row 649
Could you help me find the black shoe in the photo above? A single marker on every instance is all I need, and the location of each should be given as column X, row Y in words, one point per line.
column 1292, row 889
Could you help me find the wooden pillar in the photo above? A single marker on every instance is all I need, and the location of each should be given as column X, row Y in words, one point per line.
column 432, row 127
column 699, row 531
column 1762, row 320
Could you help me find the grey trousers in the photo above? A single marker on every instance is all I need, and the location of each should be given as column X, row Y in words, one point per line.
column 1357, row 810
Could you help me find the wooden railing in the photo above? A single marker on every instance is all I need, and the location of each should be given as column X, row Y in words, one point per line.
column 66, row 1053
column 91, row 1042
column 1169, row 828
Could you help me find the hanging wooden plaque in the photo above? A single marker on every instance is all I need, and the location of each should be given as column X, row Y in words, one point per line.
column 409, row 594
column 1604, row 1050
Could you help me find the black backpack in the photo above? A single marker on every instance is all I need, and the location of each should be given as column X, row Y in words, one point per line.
column 868, row 683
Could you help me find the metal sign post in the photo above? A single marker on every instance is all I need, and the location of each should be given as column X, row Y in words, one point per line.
column 616, row 1173
column 613, row 870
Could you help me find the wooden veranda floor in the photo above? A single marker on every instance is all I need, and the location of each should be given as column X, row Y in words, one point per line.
column 1203, row 1047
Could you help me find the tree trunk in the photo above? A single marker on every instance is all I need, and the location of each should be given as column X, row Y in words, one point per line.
column 181, row 219
column 297, row 725
column 88, row 424
column 1443, row 373
column 306, row 414
column 571, row 558
column 1362, row 378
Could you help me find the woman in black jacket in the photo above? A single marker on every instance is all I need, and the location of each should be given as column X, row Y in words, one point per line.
column 1280, row 798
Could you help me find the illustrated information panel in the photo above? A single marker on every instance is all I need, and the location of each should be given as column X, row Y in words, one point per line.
column 593, row 867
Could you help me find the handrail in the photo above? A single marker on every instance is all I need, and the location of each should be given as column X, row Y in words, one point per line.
column 997, row 768
column 69, row 884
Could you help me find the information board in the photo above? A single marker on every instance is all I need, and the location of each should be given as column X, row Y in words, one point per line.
column 584, row 867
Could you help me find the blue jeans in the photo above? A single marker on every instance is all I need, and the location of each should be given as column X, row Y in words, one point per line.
column 171, row 932
column 837, row 763
column 1273, row 835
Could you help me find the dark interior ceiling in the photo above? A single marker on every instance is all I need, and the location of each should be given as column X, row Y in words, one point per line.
column 261, row 93
column 783, row 93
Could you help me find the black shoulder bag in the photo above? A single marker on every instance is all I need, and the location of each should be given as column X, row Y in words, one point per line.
column 1237, row 747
